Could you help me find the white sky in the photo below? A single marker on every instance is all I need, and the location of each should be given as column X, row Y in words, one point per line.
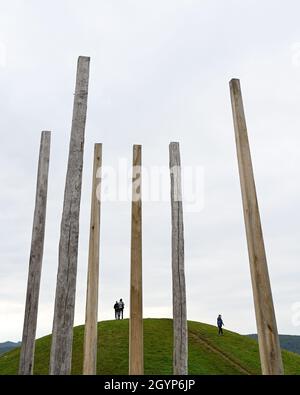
column 159, row 73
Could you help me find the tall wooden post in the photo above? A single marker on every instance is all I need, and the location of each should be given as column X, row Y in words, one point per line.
column 62, row 337
column 91, row 317
column 136, row 343
column 180, row 332
column 269, row 346
column 36, row 258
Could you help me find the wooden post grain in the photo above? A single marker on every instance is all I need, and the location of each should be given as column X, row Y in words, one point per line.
column 36, row 258
column 180, row 332
column 269, row 346
column 91, row 317
column 62, row 337
column 136, row 344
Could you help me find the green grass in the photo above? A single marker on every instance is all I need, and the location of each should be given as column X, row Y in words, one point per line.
column 231, row 354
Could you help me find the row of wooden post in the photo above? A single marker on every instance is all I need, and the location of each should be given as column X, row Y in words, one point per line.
column 62, row 334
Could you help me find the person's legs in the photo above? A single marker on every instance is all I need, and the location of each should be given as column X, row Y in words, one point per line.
column 220, row 330
column 121, row 314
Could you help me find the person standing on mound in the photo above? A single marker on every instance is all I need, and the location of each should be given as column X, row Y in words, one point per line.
column 121, row 309
column 117, row 311
column 220, row 324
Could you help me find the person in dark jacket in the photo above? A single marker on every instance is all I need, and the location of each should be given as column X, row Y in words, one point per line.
column 121, row 309
column 220, row 323
column 117, row 311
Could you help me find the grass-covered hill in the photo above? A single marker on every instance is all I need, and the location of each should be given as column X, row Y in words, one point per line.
column 287, row 342
column 231, row 354
column 7, row 346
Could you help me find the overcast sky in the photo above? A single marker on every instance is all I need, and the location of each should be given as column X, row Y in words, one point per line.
column 160, row 72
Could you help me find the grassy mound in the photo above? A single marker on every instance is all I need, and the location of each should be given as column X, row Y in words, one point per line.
column 231, row 354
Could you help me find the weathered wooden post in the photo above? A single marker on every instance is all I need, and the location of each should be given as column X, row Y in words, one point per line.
column 62, row 337
column 36, row 258
column 136, row 343
column 180, row 332
column 269, row 346
column 91, row 317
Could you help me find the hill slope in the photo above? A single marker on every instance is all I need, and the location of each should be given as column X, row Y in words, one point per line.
column 7, row 346
column 208, row 352
column 287, row 342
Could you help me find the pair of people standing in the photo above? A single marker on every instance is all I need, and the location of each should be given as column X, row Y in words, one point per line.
column 119, row 309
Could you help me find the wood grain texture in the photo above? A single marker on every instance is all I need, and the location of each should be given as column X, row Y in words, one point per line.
column 62, row 337
column 91, row 315
column 269, row 347
column 180, row 336
column 36, row 258
column 136, row 343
